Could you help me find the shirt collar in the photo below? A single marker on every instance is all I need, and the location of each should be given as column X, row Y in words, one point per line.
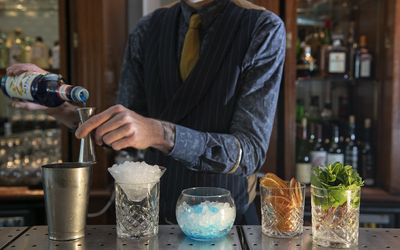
column 207, row 13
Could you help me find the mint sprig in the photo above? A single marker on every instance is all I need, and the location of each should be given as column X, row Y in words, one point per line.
column 335, row 182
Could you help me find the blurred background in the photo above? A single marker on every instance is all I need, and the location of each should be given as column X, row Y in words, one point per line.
column 338, row 101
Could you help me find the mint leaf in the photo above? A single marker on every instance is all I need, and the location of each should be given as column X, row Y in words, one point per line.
column 335, row 182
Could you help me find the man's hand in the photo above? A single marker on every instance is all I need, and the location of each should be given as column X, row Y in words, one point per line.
column 19, row 68
column 65, row 113
column 121, row 128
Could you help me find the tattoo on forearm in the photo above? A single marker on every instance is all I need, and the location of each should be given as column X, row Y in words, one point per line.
column 169, row 133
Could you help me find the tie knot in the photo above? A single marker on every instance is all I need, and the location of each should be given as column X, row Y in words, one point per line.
column 194, row 21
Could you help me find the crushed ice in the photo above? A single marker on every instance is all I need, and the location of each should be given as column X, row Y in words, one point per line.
column 207, row 220
column 136, row 178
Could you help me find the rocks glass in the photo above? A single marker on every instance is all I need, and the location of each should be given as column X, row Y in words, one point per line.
column 335, row 226
column 137, row 207
column 282, row 211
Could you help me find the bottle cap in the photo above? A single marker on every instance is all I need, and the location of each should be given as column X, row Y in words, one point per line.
column 367, row 123
column 363, row 41
column 304, row 122
column 79, row 94
column 352, row 119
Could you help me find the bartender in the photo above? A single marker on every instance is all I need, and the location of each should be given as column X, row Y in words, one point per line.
column 198, row 91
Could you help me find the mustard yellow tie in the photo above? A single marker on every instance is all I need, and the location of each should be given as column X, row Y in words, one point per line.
column 191, row 47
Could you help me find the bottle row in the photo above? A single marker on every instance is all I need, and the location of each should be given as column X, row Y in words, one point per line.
column 330, row 111
column 326, row 55
column 313, row 149
column 18, row 48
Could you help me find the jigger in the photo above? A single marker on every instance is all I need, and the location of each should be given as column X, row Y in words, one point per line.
column 86, row 151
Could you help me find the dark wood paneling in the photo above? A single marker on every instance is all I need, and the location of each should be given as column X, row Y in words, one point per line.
column 97, row 37
column 64, row 63
column 287, row 135
column 389, row 127
column 98, row 34
column 272, row 5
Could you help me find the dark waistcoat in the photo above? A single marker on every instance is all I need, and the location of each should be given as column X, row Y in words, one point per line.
column 205, row 101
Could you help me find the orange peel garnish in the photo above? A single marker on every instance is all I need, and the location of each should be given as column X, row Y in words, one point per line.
column 286, row 199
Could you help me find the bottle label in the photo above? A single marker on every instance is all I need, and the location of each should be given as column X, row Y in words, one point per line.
column 337, row 62
column 318, row 158
column 20, row 86
column 365, row 70
column 332, row 158
column 303, row 172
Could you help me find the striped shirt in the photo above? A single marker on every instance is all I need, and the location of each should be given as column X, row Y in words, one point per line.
column 219, row 158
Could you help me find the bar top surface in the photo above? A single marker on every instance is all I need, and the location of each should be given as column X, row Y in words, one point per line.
column 171, row 237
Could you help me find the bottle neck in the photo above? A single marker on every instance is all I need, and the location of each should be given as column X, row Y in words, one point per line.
column 335, row 135
column 352, row 134
column 367, row 136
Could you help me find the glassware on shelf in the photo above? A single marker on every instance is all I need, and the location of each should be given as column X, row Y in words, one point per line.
column 205, row 213
column 22, row 155
column 362, row 60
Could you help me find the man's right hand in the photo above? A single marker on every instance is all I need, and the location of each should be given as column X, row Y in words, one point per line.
column 17, row 69
column 65, row 113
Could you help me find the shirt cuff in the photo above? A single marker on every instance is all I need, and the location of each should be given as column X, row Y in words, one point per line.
column 189, row 144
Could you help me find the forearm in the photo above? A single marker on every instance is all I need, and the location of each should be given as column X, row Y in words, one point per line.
column 213, row 152
column 165, row 136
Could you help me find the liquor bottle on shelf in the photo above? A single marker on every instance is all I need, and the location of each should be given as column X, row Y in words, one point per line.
column 326, row 112
column 351, row 148
column 318, row 153
column 353, row 46
column 303, row 165
column 3, row 51
column 306, row 65
column 362, row 61
column 299, row 110
column 366, row 156
column 311, row 133
column 45, row 89
column 343, row 107
column 335, row 151
column 337, row 60
column 326, row 120
column 40, row 53
column 314, row 113
column 27, row 55
column 326, row 42
column 16, row 48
